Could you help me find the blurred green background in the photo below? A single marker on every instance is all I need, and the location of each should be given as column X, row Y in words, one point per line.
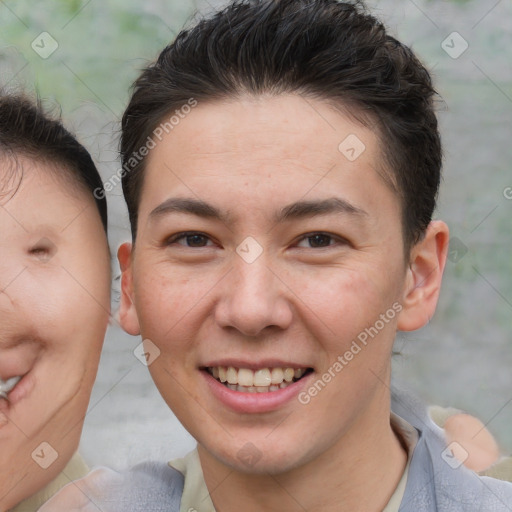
column 464, row 356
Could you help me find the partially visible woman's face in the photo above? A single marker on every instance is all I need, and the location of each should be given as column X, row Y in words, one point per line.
column 54, row 308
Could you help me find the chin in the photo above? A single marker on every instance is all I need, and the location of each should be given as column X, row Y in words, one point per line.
column 258, row 457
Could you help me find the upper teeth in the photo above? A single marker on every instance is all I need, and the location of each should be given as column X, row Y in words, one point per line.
column 7, row 386
column 259, row 378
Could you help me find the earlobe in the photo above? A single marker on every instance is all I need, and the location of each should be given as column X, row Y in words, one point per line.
column 127, row 312
column 424, row 276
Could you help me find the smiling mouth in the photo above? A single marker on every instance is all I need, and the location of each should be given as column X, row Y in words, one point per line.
column 263, row 380
column 7, row 386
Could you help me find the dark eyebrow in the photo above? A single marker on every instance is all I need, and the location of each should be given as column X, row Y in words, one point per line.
column 298, row 210
column 191, row 206
column 303, row 209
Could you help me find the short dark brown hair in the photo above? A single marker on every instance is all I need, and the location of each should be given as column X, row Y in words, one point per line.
column 27, row 130
column 324, row 49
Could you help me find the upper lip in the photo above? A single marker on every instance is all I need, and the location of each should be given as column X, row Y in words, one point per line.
column 253, row 365
column 18, row 356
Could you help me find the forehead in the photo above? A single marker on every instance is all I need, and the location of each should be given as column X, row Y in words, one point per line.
column 37, row 194
column 263, row 150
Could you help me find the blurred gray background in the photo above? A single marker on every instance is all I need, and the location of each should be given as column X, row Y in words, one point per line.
column 84, row 54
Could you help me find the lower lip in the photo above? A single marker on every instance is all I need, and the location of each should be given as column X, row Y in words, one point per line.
column 23, row 388
column 254, row 402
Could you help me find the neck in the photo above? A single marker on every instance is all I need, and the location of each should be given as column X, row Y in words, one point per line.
column 367, row 456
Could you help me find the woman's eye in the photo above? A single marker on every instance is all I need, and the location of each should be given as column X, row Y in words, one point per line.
column 189, row 240
column 43, row 250
column 317, row 240
column 42, row 253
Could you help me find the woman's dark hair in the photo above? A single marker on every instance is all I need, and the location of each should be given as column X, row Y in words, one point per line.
column 324, row 49
column 26, row 130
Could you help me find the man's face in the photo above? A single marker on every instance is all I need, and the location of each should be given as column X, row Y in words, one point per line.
column 54, row 300
column 271, row 283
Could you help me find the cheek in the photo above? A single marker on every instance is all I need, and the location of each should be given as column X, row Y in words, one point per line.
column 165, row 299
column 343, row 311
column 345, row 300
column 72, row 315
column 81, row 313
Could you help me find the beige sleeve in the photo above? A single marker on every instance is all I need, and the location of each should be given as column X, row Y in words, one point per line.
column 502, row 470
column 439, row 414
column 76, row 468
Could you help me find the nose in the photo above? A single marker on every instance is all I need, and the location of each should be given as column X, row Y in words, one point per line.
column 253, row 298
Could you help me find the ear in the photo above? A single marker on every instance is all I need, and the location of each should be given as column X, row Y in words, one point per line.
column 424, row 276
column 127, row 312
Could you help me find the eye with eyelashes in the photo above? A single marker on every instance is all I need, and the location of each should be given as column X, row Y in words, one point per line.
column 38, row 251
column 188, row 236
column 43, row 250
column 320, row 238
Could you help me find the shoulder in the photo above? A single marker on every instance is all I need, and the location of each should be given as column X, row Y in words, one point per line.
column 149, row 487
column 437, row 480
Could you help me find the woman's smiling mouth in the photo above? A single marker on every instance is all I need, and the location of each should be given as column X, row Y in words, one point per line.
column 7, row 386
column 15, row 389
column 19, row 356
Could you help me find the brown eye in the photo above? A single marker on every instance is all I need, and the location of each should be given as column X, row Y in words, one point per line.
column 319, row 240
column 38, row 251
column 43, row 250
column 193, row 240
column 196, row 240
